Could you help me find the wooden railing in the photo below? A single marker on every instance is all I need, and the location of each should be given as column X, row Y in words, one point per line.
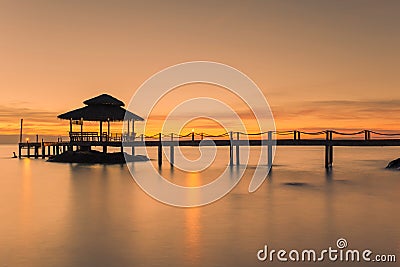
column 84, row 136
column 95, row 136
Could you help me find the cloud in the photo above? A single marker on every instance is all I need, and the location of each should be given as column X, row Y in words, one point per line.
column 340, row 109
column 35, row 120
column 35, row 114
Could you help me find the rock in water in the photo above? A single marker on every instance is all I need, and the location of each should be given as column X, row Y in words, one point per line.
column 94, row 156
column 394, row 164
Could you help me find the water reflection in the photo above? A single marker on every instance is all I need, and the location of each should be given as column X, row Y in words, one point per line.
column 92, row 215
column 192, row 236
column 25, row 208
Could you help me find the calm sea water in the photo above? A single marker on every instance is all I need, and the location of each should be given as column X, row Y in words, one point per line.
column 56, row 215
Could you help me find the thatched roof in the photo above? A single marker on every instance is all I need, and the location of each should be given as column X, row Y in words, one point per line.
column 101, row 108
column 104, row 99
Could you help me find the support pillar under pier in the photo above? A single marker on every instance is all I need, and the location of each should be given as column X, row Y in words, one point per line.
column 159, row 151
column 328, row 157
column 269, row 149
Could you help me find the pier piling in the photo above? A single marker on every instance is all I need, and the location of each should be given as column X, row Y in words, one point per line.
column 172, row 151
column 20, row 132
column 43, row 150
column 237, row 149
column 367, row 134
column 231, row 149
column 328, row 150
column 159, row 151
column 269, row 149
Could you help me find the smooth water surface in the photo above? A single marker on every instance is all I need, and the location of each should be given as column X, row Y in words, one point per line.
column 59, row 215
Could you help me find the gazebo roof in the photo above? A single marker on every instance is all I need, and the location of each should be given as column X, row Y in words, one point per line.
column 101, row 108
column 104, row 99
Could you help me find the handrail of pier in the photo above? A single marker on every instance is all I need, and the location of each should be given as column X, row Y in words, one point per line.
column 385, row 134
column 295, row 133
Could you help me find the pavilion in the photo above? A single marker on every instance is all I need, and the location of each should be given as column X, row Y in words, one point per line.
column 102, row 108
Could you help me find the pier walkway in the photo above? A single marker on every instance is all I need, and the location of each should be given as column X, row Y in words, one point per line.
column 231, row 139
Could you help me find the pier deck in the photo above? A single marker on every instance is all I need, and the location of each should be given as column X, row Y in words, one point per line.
column 47, row 149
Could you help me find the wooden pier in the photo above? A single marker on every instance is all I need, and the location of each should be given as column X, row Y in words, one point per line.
column 46, row 149
column 42, row 149
column 106, row 109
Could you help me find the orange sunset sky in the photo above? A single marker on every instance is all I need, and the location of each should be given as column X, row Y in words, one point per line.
column 321, row 64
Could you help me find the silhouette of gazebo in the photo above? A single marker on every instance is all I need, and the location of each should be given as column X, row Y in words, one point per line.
column 102, row 108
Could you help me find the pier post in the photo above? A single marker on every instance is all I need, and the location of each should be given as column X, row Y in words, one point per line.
column 269, row 149
column 367, row 134
column 133, row 130
column 159, row 151
column 328, row 150
column 20, row 132
column 294, row 135
column 101, row 132
column 172, row 151
column 81, row 123
column 28, row 150
column 19, row 150
column 36, row 150
column 328, row 157
column 43, row 150
column 230, row 149
column 108, row 130
column 133, row 152
column 237, row 149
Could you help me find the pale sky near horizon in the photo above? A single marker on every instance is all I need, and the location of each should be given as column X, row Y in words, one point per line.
column 320, row 64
